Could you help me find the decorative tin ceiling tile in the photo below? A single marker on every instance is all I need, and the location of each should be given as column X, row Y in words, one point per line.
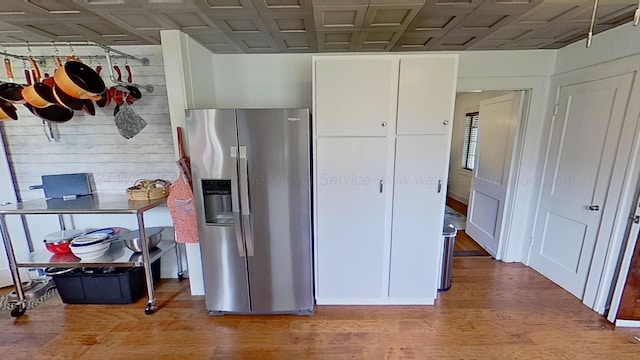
column 256, row 43
column 188, row 20
column 103, row 29
column 137, row 20
column 377, row 40
column 54, row 7
column 242, row 25
column 281, row 24
column 299, row 43
column 225, row 4
column 414, row 42
column 267, row 7
column 316, row 25
column 337, row 40
column 348, row 17
column 57, row 31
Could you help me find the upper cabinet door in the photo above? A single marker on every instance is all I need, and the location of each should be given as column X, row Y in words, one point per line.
column 426, row 94
column 355, row 97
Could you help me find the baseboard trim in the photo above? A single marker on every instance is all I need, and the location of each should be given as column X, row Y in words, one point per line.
column 458, row 197
column 628, row 323
column 380, row 301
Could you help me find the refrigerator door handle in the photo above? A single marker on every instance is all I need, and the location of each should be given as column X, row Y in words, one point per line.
column 244, row 199
column 246, row 224
column 235, row 201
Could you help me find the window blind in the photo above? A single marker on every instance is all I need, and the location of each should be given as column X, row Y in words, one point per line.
column 470, row 140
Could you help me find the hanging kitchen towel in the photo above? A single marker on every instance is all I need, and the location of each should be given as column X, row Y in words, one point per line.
column 183, row 211
column 128, row 122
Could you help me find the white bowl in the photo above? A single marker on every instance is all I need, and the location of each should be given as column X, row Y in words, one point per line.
column 89, row 246
column 89, row 239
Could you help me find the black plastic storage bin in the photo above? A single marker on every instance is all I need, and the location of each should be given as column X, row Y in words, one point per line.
column 124, row 285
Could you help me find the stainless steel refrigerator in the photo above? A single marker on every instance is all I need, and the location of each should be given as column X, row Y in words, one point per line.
column 252, row 187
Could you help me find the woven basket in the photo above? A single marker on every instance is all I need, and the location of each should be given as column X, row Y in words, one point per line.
column 149, row 190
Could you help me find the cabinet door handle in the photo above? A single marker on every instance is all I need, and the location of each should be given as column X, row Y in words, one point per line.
column 439, row 186
column 381, row 186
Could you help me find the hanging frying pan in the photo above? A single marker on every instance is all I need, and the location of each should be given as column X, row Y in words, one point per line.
column 66, row 100
column 7, row 111
column 11, row 91
column 53, row 113
column 71, row 102
column 79, row 80
column 38, row 95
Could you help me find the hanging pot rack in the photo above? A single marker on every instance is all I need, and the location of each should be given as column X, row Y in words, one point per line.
column 109, row 54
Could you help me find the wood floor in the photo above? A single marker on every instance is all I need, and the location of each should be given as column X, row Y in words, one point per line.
column 463, row 241
column 494, row 310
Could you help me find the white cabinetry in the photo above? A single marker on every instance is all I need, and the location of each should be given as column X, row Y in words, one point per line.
column 425, row 99
column 381, row 150
column 355, row 98
column 418, row 206
column 351, row 216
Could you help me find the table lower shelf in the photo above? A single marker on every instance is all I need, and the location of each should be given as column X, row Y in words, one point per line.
column 117, row 255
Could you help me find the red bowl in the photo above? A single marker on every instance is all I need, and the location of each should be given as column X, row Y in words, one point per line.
column 59, row 248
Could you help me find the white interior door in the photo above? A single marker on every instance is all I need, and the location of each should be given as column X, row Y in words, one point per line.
column 575, row 197
column 490, row 182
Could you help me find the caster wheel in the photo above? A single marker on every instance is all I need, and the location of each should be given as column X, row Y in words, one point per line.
column 18, row 311
column 150, row 309
column 180, row 277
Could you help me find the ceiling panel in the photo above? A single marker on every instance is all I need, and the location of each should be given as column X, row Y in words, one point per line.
column 254, row 26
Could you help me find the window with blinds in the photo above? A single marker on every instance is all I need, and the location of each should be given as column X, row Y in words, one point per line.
column 470, row 140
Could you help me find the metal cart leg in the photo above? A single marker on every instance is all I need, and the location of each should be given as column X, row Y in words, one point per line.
column 179, row 259
column 21, row 305
column 151, row 304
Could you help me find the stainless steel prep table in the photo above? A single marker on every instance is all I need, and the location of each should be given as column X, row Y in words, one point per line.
column 119, row 255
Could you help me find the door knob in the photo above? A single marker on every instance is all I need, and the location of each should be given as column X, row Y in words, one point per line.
column 594, row 207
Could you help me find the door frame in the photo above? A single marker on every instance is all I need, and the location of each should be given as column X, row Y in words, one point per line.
column 606, row 260
column 522, row 190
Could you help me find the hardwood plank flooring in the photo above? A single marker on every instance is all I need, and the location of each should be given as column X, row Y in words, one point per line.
column 457, row 205
column 494, row 310
column 630, row 302
column 463, row 241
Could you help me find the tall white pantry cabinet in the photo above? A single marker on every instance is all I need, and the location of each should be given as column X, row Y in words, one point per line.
column 381, row 137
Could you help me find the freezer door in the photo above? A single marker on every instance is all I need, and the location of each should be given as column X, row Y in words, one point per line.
column 275, row 191
column 212, row 139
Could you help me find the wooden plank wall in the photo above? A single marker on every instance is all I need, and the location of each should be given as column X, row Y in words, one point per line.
column 92, row 143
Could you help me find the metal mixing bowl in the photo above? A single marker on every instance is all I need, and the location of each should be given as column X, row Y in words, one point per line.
column 132, row 238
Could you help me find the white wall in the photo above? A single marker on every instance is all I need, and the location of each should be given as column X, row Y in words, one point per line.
column 92, row 144
column 616, row 43
column 263, row 81
column 459, row 178
column 189, row 69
